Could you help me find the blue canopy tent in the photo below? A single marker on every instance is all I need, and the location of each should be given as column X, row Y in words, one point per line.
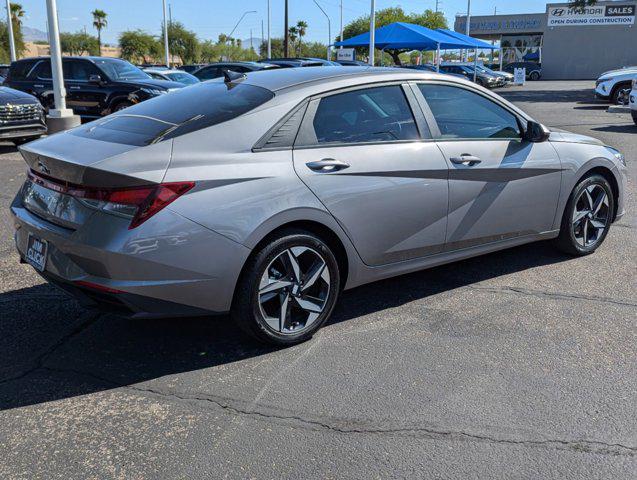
column 400, row 35
column 408, row 36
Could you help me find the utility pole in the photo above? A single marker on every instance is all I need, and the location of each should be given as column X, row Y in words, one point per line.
column 262, row 38
column 372, row 32
column 329, row 31
column 437, row 6
column 269, row 39
column 170, row 13
column 59, row 118
column 285, row 35
column 251, row 46
column 341, row 22
column 10, row 32
column 166, row 35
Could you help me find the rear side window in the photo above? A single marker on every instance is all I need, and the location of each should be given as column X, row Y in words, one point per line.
column 461, row 113
column 379, row 114
column 209, row 73
column 176, row 113
column 19, row 70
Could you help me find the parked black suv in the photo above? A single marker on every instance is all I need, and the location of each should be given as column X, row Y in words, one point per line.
column 95, row 86
column 533, row 70
column 21, row 116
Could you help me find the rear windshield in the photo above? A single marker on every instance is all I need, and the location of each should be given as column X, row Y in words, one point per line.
column 176, row 113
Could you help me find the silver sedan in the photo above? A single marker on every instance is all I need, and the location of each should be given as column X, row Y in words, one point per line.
column 266, row 194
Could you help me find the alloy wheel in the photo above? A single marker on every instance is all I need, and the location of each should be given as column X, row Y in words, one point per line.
column 590, row 215
column 294, row 290
column 622, row 96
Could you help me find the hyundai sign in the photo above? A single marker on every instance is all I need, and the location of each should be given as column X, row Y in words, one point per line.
column 565, row 16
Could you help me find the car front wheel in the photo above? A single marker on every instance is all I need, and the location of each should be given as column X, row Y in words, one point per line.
column 587, row 217
column 288, row 289
column 534, row 76
column 621, row 94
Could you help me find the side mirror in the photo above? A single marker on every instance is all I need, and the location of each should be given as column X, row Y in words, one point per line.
column 536, row 132
column 95, row 79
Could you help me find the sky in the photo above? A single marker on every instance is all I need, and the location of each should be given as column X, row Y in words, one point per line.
column 209, row 18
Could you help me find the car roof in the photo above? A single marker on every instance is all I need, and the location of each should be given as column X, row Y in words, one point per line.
column 289, row 78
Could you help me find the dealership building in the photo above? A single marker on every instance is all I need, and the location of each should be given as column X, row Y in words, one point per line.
column 571, row 43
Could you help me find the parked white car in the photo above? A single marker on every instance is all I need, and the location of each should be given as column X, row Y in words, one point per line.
column 614, row 85
column 633, row 100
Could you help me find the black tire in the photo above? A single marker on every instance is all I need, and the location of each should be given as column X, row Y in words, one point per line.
column 634, row 114
column 21, row 141
column 534, row 76
column 620, row 94
column 567, row 240
column 247, row 310
column 121, row 106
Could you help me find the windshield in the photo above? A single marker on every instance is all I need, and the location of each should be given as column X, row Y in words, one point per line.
column 176, row 113
column 120, row 69
column 182, row 77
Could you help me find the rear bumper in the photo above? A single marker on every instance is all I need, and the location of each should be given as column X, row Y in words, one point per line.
column 168, row 266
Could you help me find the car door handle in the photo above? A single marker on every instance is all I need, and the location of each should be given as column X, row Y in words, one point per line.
column 74, row 88
column 465, row 159
column 37, row 85
column 327, row 165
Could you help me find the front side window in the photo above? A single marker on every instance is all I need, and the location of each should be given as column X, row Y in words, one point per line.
column 380, row 114
column 461, row 113
column 78, row 70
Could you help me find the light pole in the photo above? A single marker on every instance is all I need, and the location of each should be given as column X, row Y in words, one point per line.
column 341, row 22
column 166, row 35
column 468, row 24
column 286, row 46
column 269, row 39
column 59, row 118
column 329, row 31
column 242, row 17
column 10, row 32
column 372, row 28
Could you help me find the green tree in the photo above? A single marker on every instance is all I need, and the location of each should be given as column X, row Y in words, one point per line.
column 79, row 43
column 182, row 42
column 139, row 47
column 17, row 14
column 99, row 22
column 428, row 18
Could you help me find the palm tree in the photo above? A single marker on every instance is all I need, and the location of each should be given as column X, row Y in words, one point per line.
column 293, row 34
column 17, row 13
column 301, row 27
column 99, row 22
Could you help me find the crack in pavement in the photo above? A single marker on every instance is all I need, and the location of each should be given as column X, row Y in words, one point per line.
column 342, row 426
column 38, row 362
column 557, row 295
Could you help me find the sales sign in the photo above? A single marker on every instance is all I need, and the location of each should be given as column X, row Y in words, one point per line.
column 565, row 16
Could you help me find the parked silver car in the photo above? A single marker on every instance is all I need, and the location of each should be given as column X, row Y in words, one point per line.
column 265, row 195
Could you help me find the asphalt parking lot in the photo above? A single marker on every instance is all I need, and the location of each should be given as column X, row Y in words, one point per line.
column 519, row 364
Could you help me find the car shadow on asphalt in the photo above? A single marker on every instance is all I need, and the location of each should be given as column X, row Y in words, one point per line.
column 92, row 352
column 8, row 148
column 568, row 96
column 625, row 128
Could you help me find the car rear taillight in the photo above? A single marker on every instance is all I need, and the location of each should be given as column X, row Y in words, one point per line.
column 137, row 203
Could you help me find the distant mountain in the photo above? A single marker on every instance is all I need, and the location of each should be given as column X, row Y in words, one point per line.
column 33, row 34
column 256, row 42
